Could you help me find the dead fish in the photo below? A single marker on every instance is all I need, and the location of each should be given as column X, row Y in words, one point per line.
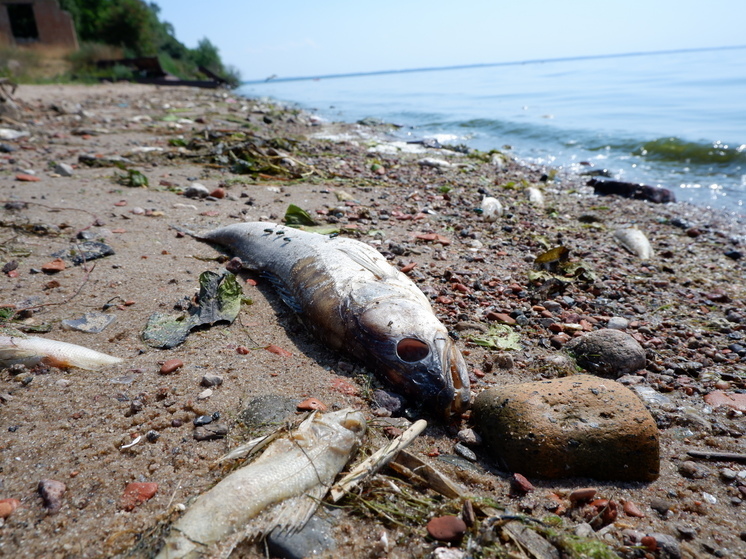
column 32, row 350
column 356, row 302
column 280, row 489
column 635, row 242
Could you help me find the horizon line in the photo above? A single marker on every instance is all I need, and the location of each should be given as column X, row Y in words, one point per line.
column 275, row 78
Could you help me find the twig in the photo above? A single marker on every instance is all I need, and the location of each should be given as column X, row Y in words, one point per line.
column 376, row 461
column 725, row 456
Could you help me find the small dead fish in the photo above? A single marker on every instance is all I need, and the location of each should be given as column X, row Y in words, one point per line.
column 356, row 302
column 635, row 242
column 280, row 489
column 32, row 350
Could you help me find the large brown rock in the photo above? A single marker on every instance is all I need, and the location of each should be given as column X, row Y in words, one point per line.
column 608, row 352
column 577, row 426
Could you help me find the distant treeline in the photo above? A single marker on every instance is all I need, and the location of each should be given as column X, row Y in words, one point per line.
column 134, row 26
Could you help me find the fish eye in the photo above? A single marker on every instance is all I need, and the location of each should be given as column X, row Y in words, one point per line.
column 412, row 350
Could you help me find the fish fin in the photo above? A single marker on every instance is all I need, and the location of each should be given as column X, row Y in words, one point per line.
column 365, row 261
column 283, row 291
column 288, row 516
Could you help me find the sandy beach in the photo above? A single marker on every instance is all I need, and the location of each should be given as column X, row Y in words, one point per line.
column 98, row 431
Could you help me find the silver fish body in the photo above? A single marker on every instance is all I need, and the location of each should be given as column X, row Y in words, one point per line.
column 292, row 475
column 356, row 302
column 32, row 350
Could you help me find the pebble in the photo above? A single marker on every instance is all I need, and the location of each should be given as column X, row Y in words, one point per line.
column 202, row 420
column 693, row 470
column 211, row 381
column 63, row 169
column 205, row 394
column 196, row 190
column 136, row 494
column 732, row 400
column 389, row 401
column 465, row 452
column 51, row 492
column 56, row 265
column 661, row 506
column 267, row 412
column 315, row 538
column 631, row 509
column 311, row 404
column 446, row 528
column 448, row 553
column 582, row 494
column 617, row 323
column 520, row 485
column 573, row 426
column 218, row 193
column 608, row 352
column 8, row 507
column 171, row 366
column 210, row 432
column 469, row 437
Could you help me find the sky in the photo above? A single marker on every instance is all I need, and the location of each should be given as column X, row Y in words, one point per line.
column 292, row 38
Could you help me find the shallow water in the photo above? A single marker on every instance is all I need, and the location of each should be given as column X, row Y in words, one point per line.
column 670, row 119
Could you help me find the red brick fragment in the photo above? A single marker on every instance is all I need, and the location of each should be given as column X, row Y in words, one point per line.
column 136, row 494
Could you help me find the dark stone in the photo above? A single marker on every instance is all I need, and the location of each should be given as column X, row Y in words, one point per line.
column 211, row 432
column 632, row 190
column 388, row 401
column 315, row 538
column 202, row 420
column 608, row 352
column 266, row 413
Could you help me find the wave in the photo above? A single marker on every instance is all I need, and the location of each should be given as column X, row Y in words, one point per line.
column 677, row 150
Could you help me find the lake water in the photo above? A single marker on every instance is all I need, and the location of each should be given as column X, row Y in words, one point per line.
column 674, row 119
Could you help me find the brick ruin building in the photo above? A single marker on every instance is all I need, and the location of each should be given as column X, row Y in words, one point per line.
column 31, row 23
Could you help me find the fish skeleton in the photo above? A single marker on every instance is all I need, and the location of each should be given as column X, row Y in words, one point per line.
column 32, row 350
column 356, row 302
column 284, row 485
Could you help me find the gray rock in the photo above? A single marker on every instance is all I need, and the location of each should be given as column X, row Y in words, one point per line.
column 266, row 413
column 569, row 427
column 64, row 169
column 196, row 190
column 211, row 432
column 608, row 352
column 211, row 381
column 314, row 538
column 617, row 323
column 668, row 547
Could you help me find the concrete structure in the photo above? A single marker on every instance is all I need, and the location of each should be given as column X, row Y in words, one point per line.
column 30, row 23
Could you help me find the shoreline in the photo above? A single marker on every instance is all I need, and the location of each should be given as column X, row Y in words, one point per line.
column 685, row 305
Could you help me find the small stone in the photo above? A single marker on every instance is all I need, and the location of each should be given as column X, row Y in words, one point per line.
column 500, row 317
column 667, row 545
column 64, row 169
column 660, row 506
column 631, row 509
column 25, row 177
column 56, row 265
column 218, row 193
column 152, row 436
column 136, row 494
column 8, row 507
column 315, row 538
column 196, row 190
column 582, row 494
column 448, row 553
column 608, row 352
column 692, row 470
column 211, row 432
column 311, row 404
column 51, row 492
column 728, row 475
column 202, row 420
column 617, row 323
column 205, row 394
column 520, row 485
column 446, row 528
column 469, row 437
column 465, row 452
column 211, row 381
column 170, row 366
column 736, row 401
column 388, row 401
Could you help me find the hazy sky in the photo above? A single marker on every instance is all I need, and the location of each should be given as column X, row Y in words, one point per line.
column 305, row 37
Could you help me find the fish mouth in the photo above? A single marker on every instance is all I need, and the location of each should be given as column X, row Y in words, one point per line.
column 435, row 371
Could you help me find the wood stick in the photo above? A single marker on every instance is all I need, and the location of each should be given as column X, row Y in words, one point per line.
column 725, row 456
column 376, row 461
